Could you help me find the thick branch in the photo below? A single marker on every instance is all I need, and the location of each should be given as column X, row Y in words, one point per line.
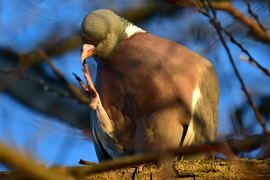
column 26, row 168
column 240, row 168
column 247, row 144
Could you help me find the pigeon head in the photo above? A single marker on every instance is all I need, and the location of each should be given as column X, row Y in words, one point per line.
column 101, row 30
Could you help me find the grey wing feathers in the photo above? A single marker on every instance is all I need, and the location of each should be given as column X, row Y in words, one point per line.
column 106, row 146
column 203, row 129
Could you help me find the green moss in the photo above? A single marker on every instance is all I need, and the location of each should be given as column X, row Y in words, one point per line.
column 180, row 166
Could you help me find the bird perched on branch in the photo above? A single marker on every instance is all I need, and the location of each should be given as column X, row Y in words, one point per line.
column 151, row 94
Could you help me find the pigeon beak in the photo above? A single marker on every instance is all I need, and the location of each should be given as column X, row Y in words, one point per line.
column 87, row 49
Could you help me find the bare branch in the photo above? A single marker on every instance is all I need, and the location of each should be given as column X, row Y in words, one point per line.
column 26, row 61
column 71, row 87
column 256, row 18
column 250, row 59
column 219, row 29
column 47, row 87
column 227, row 6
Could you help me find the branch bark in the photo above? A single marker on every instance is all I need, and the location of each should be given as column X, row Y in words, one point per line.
column 185, row 170
column 206, row 169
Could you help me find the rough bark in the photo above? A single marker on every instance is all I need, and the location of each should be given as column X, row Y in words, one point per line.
column 207, row 169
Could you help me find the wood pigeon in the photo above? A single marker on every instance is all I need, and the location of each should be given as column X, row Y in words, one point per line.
column 154, row 93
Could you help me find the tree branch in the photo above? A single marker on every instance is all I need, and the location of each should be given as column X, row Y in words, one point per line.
column 257, row 19
column 228, row 148
column 26, row 167
column 227, row 6
column 81, row 97
column 218, row 28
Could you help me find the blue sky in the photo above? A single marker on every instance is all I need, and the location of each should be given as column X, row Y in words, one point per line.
column 26, row 24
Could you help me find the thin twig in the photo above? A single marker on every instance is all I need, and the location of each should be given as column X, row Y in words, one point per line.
column 55, row 70
column 228, row 7
column 26, row 61
column 262, row 34
column 84, row 162
column 218, row 28
column 47, row 87
column 255, row 16
column 71, row 87
column 250, row 59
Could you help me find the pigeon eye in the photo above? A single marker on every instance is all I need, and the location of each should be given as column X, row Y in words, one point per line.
column 107, row 37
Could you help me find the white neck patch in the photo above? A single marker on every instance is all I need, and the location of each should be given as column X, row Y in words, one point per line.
column 132, row 29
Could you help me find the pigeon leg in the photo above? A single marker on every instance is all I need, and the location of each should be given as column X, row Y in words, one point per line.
column 96, row 104
column 138, row 170
column 92, row 93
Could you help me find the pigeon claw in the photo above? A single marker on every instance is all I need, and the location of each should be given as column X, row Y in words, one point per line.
column 92, row 93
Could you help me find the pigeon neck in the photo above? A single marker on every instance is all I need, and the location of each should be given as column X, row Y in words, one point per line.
column 132, row 29
column 128, row 29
